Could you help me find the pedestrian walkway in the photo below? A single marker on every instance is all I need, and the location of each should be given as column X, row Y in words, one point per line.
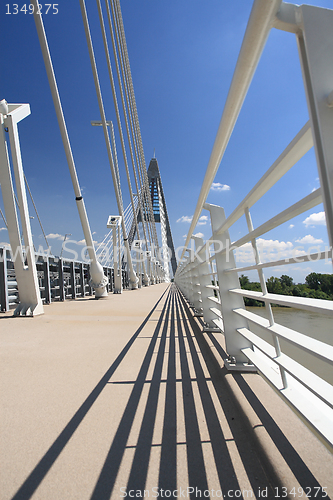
column 125, row 397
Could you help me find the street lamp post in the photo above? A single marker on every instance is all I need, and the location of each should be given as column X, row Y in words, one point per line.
column 116, row 182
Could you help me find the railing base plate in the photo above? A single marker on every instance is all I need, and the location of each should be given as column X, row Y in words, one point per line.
column 239, row 367
column 212, row 329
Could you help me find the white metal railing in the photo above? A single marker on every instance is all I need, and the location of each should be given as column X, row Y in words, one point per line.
column 208, row 275
column 58, row 278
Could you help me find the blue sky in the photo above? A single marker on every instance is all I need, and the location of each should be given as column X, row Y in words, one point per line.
column 182, row 55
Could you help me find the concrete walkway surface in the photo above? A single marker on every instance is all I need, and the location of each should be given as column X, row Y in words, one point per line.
column 126, row 397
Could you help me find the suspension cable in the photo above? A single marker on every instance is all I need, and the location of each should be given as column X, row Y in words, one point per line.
column 40, row 222
column 133, row 277
column 116, row 43
column 107, row 54
column 120, row 42
column 2, row 215
column 136, row 118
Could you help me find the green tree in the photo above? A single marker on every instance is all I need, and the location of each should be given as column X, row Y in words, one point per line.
column 244, row 280
column 326, row 283
column 313, row 280
column 320, row 283
column 274, row 285
column 286, row 281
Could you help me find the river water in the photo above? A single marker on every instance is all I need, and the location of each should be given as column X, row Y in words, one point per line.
column 314, row 325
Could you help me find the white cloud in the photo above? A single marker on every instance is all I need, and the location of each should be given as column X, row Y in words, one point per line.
column 83, row 242
column 291, row 226
column 185, row 218
column 269, row 250
column 309, row 240
column 203, row 220
column 305, row 270
column 316, row 219
column 217, row 186
column 279, row 245
column 199, row 235
column 55, row 236
column 3, row 229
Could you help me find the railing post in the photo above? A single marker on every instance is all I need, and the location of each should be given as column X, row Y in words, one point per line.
column 47, row 285
column 82, row 290
column 224, row 259
column 195, row 284
column 90, row 290
column 62, row 294
column 4, row 301
column 205, row 285
column 72, row 279
column 188, row 279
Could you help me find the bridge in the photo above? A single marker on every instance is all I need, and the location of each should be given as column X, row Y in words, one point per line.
column 162, row 389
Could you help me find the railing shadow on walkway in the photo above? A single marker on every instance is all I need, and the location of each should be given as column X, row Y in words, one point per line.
column 300, row 470
column 176, row 336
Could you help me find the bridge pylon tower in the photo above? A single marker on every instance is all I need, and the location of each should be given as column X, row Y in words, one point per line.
column 161, row 216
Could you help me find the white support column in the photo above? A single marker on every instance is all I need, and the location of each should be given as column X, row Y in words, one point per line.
column 154, row 266
column 152, row 269
column 26, row 275
column 315, row 43
column 228, row 281
column 118, row 286
column 114, row 222
column 137, row 248
column 148, row 268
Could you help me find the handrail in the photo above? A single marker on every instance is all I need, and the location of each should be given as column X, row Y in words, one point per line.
column 297, row 148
